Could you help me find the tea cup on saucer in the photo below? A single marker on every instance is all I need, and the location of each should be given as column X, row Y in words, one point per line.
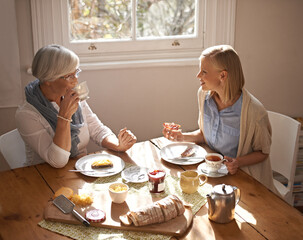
column 214, row 162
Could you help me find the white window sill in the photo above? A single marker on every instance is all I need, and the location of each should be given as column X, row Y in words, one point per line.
column 140, row 63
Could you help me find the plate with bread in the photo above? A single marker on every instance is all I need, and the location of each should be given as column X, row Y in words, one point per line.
column 100, row 165
column 183, row 153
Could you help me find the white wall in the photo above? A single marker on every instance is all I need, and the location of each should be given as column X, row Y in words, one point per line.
column 268, row 38
column 142, row 99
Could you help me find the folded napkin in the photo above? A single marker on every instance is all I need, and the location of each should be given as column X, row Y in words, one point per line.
column 80, row 232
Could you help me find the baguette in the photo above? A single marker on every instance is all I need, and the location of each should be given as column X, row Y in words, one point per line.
column 160, row 211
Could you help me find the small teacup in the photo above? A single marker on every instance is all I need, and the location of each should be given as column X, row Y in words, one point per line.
column 190, row 181
column 82, row 90
column 213, row 161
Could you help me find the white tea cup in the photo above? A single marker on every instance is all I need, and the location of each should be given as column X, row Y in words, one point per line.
column 82, row 90
column 213, row 161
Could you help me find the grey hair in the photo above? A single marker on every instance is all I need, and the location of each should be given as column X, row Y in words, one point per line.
column 52, row 62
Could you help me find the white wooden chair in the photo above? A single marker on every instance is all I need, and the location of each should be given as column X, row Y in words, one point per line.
column 284, row 150
column 13, row 149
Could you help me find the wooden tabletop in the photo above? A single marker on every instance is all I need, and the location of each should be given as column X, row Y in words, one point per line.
column 260, row 214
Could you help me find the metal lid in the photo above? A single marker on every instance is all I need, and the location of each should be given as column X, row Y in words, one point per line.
column 223, row 189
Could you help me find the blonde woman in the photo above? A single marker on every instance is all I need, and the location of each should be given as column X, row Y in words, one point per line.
column 53, row 123
column 231, row 120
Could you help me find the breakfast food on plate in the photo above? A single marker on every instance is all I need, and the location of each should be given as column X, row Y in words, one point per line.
column 66, row 191
column 161, row 211
column 102, row 163
column 82, row 199
column 188, row 152
column 171, row 126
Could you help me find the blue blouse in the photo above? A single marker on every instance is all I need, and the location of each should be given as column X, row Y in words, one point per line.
column 222, row 128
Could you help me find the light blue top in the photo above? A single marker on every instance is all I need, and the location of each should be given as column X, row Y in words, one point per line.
column 222, row 128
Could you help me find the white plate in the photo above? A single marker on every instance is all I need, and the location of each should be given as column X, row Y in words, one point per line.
column 135, row 174
column 85, row 163
column 172, row 153
column 202, row 168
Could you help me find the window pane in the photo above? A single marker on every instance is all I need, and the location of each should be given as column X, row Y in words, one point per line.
column 100, row 19
column 161, row 18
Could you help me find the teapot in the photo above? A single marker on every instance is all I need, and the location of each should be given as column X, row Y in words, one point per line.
column 222, row 202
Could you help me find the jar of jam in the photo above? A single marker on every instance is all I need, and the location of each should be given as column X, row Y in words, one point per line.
column 156, row 181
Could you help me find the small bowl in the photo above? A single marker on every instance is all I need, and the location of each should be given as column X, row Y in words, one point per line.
column 118, row 192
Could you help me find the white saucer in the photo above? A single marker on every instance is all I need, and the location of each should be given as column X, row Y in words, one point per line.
column 135, row 174
column 202, row 168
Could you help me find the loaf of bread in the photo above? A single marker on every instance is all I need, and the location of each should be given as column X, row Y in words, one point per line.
column 160, row 211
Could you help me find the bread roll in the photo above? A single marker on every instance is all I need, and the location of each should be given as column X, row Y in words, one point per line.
column 160, row 211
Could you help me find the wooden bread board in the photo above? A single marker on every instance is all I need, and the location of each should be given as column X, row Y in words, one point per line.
column 175, row 227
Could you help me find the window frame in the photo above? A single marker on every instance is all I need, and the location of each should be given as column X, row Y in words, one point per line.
column 216, row 26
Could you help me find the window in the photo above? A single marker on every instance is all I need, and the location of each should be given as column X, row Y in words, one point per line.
column 119, row 20
column 133, row 33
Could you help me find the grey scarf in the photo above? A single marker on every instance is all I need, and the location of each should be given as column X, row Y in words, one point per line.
column 36, row 98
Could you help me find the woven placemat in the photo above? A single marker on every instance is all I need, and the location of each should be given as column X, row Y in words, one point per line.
column 80, row 232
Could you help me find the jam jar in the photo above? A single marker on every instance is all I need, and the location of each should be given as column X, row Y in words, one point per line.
column 156, row 181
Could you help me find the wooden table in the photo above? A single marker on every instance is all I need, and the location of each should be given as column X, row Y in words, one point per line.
column 260, row 214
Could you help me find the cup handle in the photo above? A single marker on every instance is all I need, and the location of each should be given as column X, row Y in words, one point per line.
column 201, row 181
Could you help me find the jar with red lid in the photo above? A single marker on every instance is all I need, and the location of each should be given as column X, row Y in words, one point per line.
column 156, row 181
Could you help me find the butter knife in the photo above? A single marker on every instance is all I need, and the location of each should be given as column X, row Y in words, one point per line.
column 185, row 158
column 72, row 170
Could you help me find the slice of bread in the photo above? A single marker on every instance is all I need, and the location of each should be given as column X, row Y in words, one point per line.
column 102, row 163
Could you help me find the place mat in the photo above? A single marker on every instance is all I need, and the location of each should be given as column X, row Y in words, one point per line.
column 80, row 232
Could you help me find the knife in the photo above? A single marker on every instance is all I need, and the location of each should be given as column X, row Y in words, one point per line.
column 185, row 158
column 66, row 206
column 96, row 171
column 72, row 170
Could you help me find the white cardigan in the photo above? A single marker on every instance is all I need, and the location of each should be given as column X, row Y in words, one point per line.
column 38, row 135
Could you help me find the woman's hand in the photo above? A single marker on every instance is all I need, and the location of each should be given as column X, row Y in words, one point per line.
column 126, row 140
column 69, row 104
column 173, row 135
column 232, row 164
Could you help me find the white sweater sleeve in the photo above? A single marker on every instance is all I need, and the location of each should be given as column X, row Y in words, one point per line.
column 38, row 135
column 97, row 130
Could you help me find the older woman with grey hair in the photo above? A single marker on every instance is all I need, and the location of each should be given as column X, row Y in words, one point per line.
column 53, row 123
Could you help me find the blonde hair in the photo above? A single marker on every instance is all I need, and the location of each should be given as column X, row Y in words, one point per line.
column 53, row 61
column 224, row 57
